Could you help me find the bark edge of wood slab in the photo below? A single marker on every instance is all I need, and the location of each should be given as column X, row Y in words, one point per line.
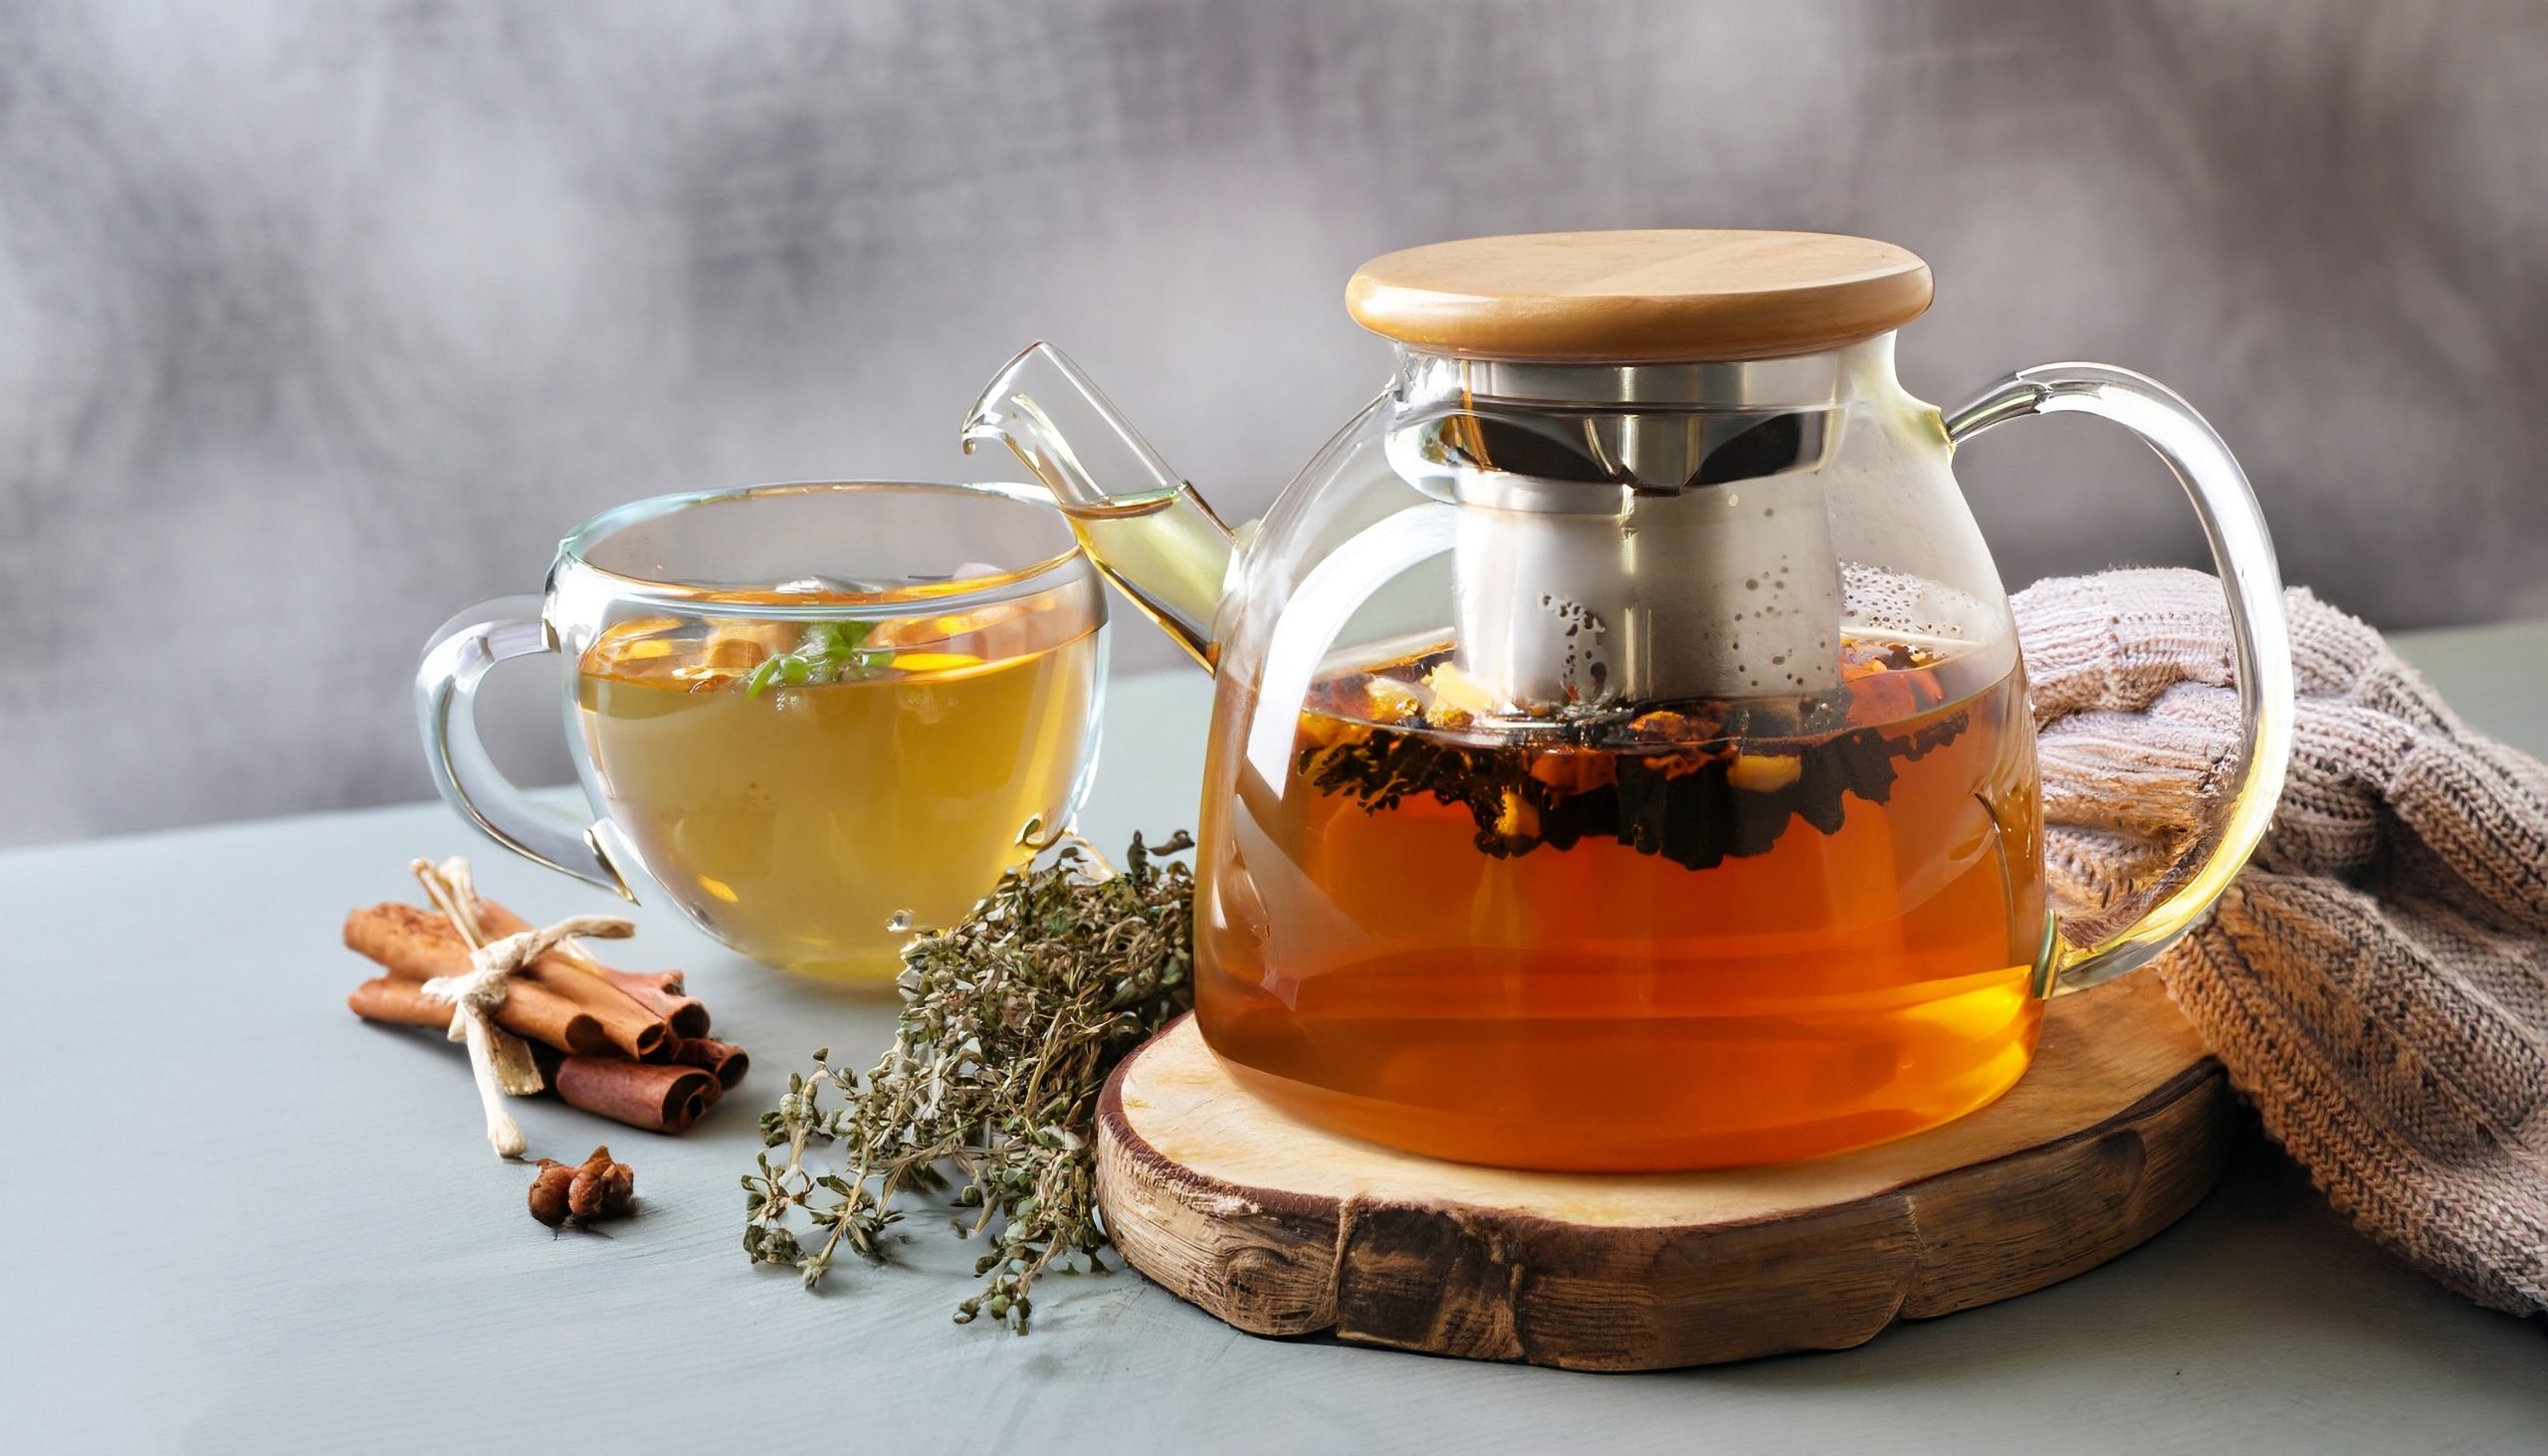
column 1278, row 1228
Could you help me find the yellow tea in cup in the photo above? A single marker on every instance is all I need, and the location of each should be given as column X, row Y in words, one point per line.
column 810, row 790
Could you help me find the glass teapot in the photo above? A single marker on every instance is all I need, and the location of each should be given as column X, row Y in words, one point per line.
column 1620, row 758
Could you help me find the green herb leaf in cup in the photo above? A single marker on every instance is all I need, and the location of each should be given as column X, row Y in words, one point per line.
column 829, row 652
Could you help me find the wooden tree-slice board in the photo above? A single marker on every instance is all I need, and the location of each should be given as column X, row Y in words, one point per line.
column 1279, row 1228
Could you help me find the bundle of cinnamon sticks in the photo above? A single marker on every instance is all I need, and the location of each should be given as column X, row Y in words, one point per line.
column 624, row 1045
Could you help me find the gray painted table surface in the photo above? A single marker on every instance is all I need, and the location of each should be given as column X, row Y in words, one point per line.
column 234, row 1218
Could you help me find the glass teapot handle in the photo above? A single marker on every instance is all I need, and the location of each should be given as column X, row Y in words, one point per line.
column 2243, row 552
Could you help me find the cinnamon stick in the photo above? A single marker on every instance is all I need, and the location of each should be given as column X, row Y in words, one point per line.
column 631, row 1029
column 654, row 1097
column 658, row 992
column 398, row 1003
column 420, row 944
column 651, row 1096
column 662, row 992
column 416, row 945
column 723, row 1060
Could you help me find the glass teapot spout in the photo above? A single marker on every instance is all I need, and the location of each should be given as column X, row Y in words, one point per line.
column 1142, row 523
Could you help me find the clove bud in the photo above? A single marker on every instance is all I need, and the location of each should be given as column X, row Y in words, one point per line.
column 599, row 1188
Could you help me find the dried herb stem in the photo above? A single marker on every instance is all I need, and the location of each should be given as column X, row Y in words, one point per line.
column 1010, row 1022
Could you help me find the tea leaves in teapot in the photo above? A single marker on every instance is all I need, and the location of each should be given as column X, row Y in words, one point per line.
column 1696, row 783
column 1010, row 1022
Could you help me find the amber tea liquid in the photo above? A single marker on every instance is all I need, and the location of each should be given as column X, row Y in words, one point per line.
column 1634, row 946
column 797, row 823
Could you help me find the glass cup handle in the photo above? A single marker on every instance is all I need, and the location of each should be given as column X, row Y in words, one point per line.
column 456, row 659
column 2243, row 552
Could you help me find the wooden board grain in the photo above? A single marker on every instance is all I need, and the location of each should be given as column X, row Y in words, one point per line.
column 1279, row 1228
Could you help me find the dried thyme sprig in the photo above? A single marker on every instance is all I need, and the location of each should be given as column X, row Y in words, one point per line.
column 1010, row 1022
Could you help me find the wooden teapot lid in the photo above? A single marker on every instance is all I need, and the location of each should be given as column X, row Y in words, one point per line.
column 1640, row 296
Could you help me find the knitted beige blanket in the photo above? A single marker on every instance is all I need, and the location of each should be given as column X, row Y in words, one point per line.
column 2377, row 980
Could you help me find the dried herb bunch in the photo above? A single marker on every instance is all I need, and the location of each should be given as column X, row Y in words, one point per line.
column 1010, row 1022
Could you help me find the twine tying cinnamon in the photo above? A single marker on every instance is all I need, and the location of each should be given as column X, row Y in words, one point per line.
column 499, row 1061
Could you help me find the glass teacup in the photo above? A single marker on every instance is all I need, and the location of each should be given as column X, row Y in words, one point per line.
column 816, row 715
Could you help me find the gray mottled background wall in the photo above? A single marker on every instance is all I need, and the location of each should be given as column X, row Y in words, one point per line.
column 320, row 321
